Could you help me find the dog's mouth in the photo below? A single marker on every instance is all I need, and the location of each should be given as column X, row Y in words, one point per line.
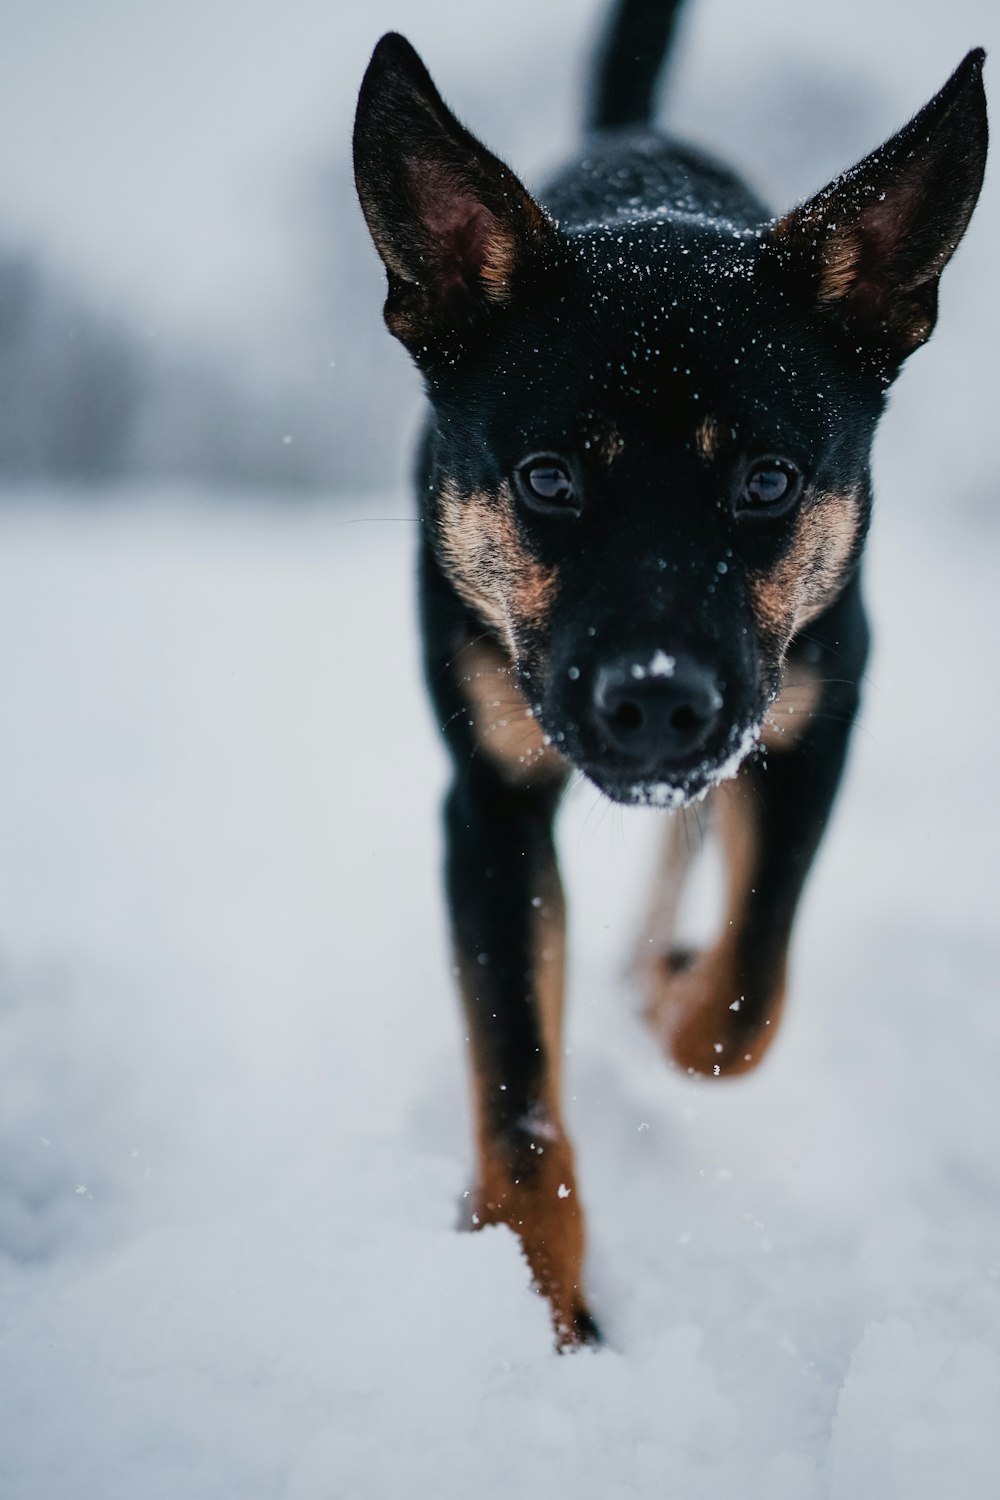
column 671, row 788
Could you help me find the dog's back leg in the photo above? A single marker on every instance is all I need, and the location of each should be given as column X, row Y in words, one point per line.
column 681, row 843
column 717, row 1012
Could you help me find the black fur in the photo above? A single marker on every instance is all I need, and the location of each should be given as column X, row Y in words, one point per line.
column 661, row 357
column 636, row 44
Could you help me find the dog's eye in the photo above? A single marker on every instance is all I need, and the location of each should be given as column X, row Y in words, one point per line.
column 547, row 485
column 771, row 488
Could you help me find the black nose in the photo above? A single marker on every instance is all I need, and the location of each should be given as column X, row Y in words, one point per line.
column 656, row 711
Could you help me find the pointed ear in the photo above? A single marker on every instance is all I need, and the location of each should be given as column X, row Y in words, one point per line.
column 452, row 223
column 870, row 248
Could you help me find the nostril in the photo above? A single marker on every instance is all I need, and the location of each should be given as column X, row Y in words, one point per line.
column 653, row 718
column 628, row 716
column 684, row 719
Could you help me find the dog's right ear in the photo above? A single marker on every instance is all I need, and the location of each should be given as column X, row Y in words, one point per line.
column 452, row 223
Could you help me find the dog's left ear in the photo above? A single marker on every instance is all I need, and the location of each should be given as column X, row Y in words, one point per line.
column 452, row 223
column 870, row 248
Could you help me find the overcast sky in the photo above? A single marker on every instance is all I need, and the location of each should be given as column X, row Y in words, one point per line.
column 187, row 160
column 163, row 150
column 161, row 147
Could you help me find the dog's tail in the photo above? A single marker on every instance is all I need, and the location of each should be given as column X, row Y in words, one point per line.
column 634, row 48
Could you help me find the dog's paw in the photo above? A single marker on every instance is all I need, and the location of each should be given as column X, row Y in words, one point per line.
column 699, row 1009
column 539, row 1203
column 580, row 1330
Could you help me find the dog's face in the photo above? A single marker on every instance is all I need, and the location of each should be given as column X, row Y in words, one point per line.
column 650, row 463
column 646, row 496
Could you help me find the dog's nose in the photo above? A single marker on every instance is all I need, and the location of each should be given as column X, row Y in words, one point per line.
column 657, row 711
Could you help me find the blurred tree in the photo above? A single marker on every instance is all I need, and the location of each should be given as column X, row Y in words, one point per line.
column 70, row 382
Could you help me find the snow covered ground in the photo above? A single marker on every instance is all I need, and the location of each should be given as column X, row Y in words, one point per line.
column 232, row 1117
column 232, row 1106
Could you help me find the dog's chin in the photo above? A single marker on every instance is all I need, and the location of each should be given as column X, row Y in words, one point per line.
column 670, row 791
column 666, row 795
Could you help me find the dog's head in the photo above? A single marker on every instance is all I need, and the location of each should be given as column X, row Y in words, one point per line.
column 652, row 434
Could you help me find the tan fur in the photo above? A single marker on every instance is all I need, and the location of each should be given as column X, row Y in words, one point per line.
column 678, row 848
column 489, row 565
column 811, row 573
column 706, row 1035
column 497, row 269
column 691, row 1007
column 608, row 446
column 839, row 261
column 504, row 726
column 526, row 1179
column 789, row 715
column 600, row 439
column 707, row 438
column 518, row 222
column 839, row 250
column 541, row 1205
column 500, row 260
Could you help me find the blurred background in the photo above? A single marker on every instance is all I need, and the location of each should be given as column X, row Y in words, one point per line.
column 187, row 291
column 233, row 1124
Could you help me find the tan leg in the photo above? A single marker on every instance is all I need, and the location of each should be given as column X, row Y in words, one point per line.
column 704, row 1008
column 525, row 1175
column 717, row 1012
column 508, row 924
column 679, row 847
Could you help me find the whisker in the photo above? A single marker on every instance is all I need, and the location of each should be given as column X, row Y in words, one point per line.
column 474, row 641
column 804, row 635
column 365, row 520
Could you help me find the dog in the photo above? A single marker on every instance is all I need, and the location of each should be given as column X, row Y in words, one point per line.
column 644, row 488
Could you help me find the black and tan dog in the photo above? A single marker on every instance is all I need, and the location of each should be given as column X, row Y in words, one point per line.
column 644, row 489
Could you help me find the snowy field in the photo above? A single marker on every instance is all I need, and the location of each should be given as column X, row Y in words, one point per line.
column 233, row 1119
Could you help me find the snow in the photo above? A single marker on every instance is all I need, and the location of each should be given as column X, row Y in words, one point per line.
column 234, row 1132
column 661, row 665
column 666, row 795
column 234, row 1121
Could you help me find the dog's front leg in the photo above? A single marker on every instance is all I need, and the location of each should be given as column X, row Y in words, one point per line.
column 507, row 919
column 717, row 1012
